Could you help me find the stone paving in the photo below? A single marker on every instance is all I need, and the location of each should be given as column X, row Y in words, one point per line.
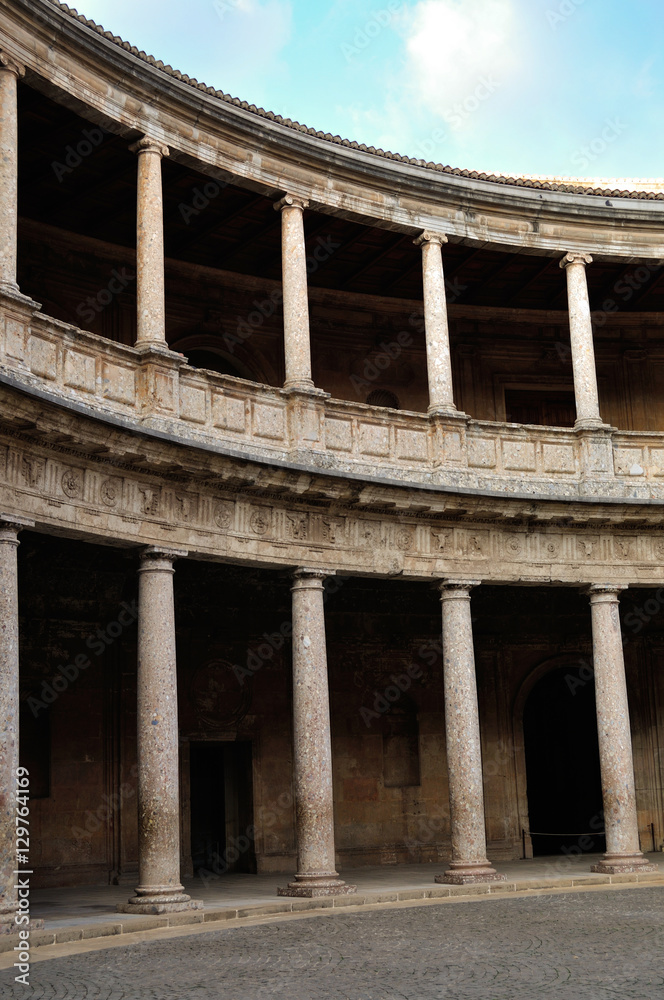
column 604, row 945
column 85, row 905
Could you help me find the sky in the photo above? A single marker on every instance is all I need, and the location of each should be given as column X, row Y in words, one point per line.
column 556, row 87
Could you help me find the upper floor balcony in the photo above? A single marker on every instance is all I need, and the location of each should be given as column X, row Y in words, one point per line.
column 388, row 321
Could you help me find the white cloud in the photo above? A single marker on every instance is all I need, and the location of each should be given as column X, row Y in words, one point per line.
column 452, row 46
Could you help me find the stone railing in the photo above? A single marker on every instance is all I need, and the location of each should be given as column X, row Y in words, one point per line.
column 155, row 390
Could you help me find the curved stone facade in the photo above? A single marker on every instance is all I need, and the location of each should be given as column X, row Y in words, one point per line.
column 109, row 435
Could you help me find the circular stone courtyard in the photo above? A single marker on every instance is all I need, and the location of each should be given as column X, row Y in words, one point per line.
column 579, row 946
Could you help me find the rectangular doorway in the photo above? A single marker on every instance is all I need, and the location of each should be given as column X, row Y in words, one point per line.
column 222, row 807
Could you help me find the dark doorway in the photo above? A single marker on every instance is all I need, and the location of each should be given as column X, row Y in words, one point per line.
column 222, row 807
column 562, row 763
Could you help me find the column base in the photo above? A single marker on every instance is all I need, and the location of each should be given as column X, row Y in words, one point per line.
column 317, row 884
column 8, row 925
column 591, row 424
column 469, row 874
column 158, row 899
column 306, row 386
column 447, row 410
column 623, row 864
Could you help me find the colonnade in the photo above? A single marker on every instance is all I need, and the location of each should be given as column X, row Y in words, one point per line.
column 160, row 889
column 151, row 314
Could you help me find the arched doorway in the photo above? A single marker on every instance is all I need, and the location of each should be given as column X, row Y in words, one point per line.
column 562, row 763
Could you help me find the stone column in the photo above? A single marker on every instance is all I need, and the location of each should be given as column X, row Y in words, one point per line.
column 9, row 709
column 10, row 72
column 623, row 852
column 159, row 889
column 151, row 308
column 297, row 348
column 581, row 338
column 462, row 728
column 439, row 361
column 312, row 746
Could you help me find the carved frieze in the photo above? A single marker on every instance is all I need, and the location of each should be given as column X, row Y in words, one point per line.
column 81, row 497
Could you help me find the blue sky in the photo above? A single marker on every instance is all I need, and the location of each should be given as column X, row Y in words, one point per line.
column 563, row 87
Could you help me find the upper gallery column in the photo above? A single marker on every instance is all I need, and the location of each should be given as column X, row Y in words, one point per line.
column 159, row 889
column 297, row 349
column 623, row 852
column 9, row 710
column 439, row 362
column 312, row 744
column 581, row 338
column 462, row 732
column 150, row 296
column 10, row 71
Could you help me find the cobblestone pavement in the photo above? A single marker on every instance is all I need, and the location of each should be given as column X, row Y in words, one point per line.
column 583, row 946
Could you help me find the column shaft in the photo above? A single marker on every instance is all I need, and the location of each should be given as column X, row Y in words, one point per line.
column 9, row 713
column 464, row 754
column 297, row 349
column 312, row 746
column 150, row 294
column 10, row 71
column 439, row 361
column 159, row 889
column 581, row 341
column 623, row 852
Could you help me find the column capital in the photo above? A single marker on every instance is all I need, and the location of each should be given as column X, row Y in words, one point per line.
column 574, row 257
column 430, row 237
column 313, row 579
column 453, row 588
column 156, row 554
column 149, row 145
column 291, row 201
column 11, row 65
column 605, row 592
column 15, row 522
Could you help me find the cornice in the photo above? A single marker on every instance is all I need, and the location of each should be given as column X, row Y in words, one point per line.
column 108, row 80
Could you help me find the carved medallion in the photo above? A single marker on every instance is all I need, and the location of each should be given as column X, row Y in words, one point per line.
column 110, row 491
column 514, row 545
column 220, row 694
column 72, row 482
column 404, row 539
column 259, row 522
column 224, row 515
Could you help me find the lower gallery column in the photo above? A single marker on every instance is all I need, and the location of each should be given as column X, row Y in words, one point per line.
column 623, row 853
column 464, row 753
column 9, row 709
column 159, row 889
column 312, row 745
